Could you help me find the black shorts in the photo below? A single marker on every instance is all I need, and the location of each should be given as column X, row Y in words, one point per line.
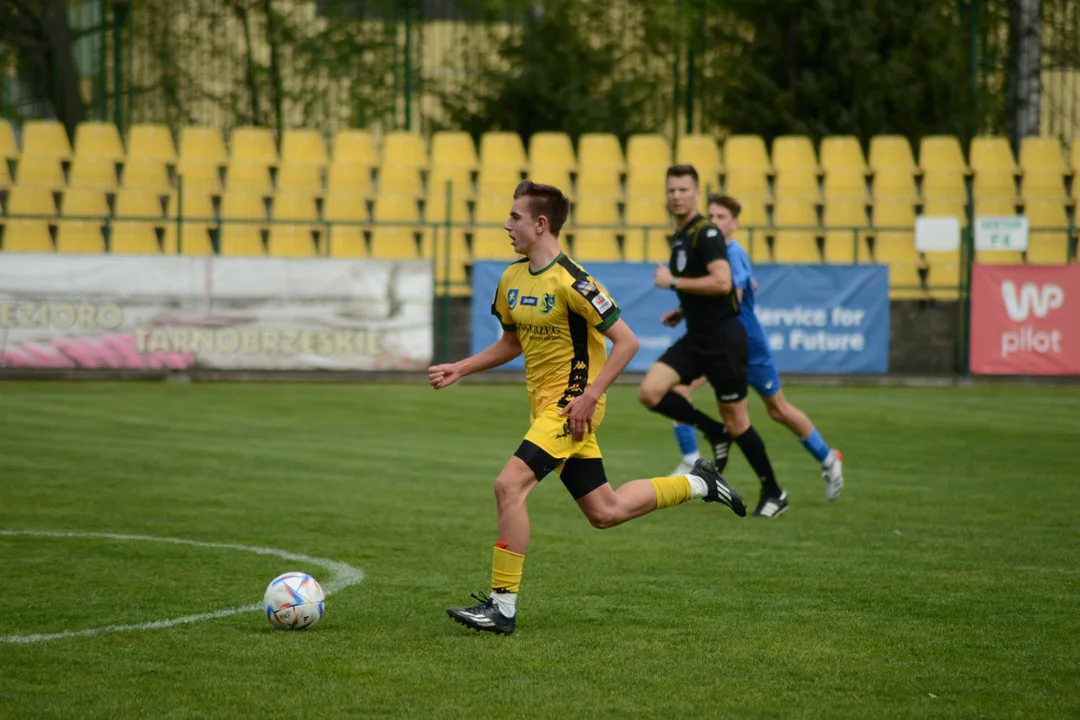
column 580, row 475
column 721, row 355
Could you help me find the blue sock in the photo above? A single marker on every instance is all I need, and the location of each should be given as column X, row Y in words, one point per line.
column 687, row 437
column 816, row 446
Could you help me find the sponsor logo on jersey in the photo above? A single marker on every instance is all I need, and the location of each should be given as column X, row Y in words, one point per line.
column 585, row 286
column 511, row 298
column 565, row 431
column 529, row 300
column 547, row 303
column 602, row 303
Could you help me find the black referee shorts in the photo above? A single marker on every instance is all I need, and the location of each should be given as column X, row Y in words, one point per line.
column 721, row 354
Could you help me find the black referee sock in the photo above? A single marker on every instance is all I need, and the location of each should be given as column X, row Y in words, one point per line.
column 676, row 407
column 753, row 448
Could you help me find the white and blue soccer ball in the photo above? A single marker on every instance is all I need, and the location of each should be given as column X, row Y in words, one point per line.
column 294, row 601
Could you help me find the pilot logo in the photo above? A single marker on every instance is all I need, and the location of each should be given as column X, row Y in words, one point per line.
column 547, row 303
column 511, row 298
column 1031, row 299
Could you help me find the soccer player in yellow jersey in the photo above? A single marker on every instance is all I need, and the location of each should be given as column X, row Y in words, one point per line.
column 557, row 315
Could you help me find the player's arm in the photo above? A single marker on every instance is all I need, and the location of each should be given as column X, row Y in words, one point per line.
column 717, row 282
column 502, row 351
column 624, row 345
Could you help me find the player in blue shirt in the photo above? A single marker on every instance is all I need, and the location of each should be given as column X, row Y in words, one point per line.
column 763, row 376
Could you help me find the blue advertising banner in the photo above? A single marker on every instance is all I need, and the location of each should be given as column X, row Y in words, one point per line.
column 819, row 318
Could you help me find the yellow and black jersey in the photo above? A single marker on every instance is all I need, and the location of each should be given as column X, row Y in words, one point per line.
column 558, row 314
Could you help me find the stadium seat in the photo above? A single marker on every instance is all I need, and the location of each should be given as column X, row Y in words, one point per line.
column 133, row 237
column 1074, row 158
column 559, row 177
column 1042, row 153
column 845, row 232
column 492, row 244
column 404, row 148
column 93, row 172
column 453, row 149
column 592, row 211
column 199, row 175
column 796, row 184
column 346, row 240
column 498, row 180
column 300, row 176
column 29, row 234
column 493, row 210
column 846, row 184
column 47, row 138
column 701, row 151
column 99, row 140
column 198, row 217
column 358, row 147
column 647, row 180
column 80, row 237
column 994, row 184
column 598, row 182
column 84, row 203
column 746, row 185
column 891, row 152
column 647, row 151
column 502, row 149
column 42, row 171
column 147, row 174
column 551, row 150
column 291, row 241
column 400, row 180
column 295, row 207
column 1038, row 184
column 600, row 151
column 243, row 215
column 1048, row 232
column 991, row 153
column 895, row 184
column 946, row 207
column 842, row 152
column 248, row 176
column 754, row 229
column 795, row 238
column 450, row 275
column 9, row 149
column 794, row 152
column 253, row 144
column 596, row 246
column 204, row 143
column 396, row 209
column 746, row 152
column 350, row 177
column 139, row 203
column 304, row 146
column 944, row 183
column 151, row 142
column 648, row 226
column 941, row 153
column 6, row 180
column 435, row 210
column 459, row 177
column 894, row 245
column 393, row 242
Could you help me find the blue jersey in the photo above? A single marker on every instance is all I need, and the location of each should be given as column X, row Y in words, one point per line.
column 742, row 279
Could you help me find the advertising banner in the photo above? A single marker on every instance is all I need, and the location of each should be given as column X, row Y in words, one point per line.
column 819, row 318
column 152, row 313
column 1025, row 320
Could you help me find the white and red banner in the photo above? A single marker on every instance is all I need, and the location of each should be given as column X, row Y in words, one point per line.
column 153, row 313
column 1025, row 320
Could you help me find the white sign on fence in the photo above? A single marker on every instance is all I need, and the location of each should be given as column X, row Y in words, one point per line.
column 1001, row 233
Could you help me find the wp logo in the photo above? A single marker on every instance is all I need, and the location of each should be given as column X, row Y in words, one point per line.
column 1030, row 299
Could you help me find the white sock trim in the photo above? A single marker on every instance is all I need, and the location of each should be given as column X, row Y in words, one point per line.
column 691, row 458
column 506, row 602
column 698, row 487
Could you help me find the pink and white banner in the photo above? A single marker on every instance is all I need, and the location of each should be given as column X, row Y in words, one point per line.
column 148, row 313
column 1025, row 320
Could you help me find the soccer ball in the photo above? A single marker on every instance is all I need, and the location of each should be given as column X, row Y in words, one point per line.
column 294, row 601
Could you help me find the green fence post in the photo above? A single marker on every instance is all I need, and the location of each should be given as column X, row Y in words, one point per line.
column 408, row 68
column 967, row 256
column 118, row 62
column 179, row 214
column 444, row 353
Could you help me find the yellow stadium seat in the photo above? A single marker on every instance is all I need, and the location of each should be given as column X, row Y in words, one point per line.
column 701, row 151
column 5, row 175
column 891, row 152
column 93, row 172
column 502, row 149
column 396, row 209
column 559, row 177
column 393, row 242
column 249, row 176
column 647, row 180
column 598, row 182
column 794, row 152
column 941, row 153
column 946, row 207
column 80, row 236
column 198, row 217
column 347, row 241
column 147, row 174
column 151, row 142
column 753, row 228
column 796, row 184
column 894, row 245
column 492, row 244
column 355, row 147
column 1042, row 153
column 746, row 152
column 795, row 239
column 433, row 245
column 846, row 184
column 204, row 143
column 450, row 275
column 842, row 152
column 845, row 232
column 459, row 177
column 1048, row 235
column 84, row 203
column 138, row 203
column 292, row 241
column 242, row 216
column 26, row 235
column 400, row 180
column 100, row 140
column 9, row 149
column 598, row 151
column 995, row 207
column 1074, row 158
column 300, row 176
column 31, row 200
column 944, row 183
column 1043, row 184
column 452, row 149
column 895, row 184
column 746, row 185
column 295, row 207
column 198, row 175
column 493, row 209
column 596, row 246
column 551, row 150
column 303, row 146
column 254, row 144
column 648, row 150
column 241, row 239
column 999, row 257
column 994, row 184
column 347, row 211
column 498, row 180
column 192, row 205
column 436, row 210
column 648, row 226
column 1046, row 214
column 40, row 171
column 239, row 205
column 591, row 211
column 196, row 240
column 47, row 138
column 401, row 147
column 351, row 177
column 991, row 153
column 133, row 237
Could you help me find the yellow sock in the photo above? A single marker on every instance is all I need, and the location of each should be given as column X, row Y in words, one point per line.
column 506, row 569
column 671, row 490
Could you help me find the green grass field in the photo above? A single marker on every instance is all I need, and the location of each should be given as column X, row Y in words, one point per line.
column 943, row 583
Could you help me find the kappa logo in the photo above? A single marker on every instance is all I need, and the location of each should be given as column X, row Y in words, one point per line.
column 511, row 298
column 547, row 303
column 1031, row 299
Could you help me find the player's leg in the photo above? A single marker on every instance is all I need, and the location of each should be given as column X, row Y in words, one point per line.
column 686, row 435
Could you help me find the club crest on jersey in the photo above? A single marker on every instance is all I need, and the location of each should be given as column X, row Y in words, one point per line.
column 585, row 286
column 511, row 298
column 547, row 303
column 680, row 260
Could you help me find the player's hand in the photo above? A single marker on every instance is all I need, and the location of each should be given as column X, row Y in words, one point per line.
column 662, row 276
column 671, row 318
column 441, row 376
column 580, row 410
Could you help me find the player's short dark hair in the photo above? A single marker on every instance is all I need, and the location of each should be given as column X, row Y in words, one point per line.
column 683, row 170
column 546, row 200
column 726, row 201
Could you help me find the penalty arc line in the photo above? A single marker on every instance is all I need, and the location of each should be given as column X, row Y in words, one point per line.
column 342, row 576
